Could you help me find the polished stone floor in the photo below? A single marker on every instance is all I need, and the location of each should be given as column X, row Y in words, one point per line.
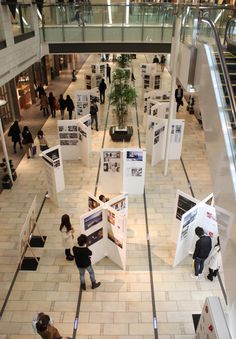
column 122, row 306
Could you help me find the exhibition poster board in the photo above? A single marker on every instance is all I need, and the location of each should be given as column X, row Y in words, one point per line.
column 123, row 170
column 147, row 68
column 27, row 228
column 84, row 131
column 119, row 203
column 106, row 229
column 112, row 170
column 176, row 139
column 184, row 202
column 134, row 170
column 82, row 102
column 202, row 215
column 68, row 133
column 158, row 141
column 155, row 95
column 92, row 80
column 99, row 69
column 54, row 172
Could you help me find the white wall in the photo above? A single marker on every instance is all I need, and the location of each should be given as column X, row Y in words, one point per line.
column 216, row 142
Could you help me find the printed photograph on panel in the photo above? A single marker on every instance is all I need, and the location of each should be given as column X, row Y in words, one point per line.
column 119, row 205
column 135, row 155
column 95, row 236
column 92, row 220
column 113, row 238
column 111, row 161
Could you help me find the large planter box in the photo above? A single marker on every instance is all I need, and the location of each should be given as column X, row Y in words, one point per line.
column 121, row 134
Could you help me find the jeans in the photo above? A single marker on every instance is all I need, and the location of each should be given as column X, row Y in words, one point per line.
column 91, row 274
column 199, row 265
column 94, row 118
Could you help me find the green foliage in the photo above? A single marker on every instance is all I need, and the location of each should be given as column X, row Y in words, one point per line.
column 122, row 95
column 124, row 60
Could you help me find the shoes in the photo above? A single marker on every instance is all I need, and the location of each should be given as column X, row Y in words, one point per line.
column 210, row 278
column 70, row 258
column 14, row 151
column 28, row 157
column 194, row 276
column 95, row 285
column 97, row 129
column 21, row 147
column 83, row 286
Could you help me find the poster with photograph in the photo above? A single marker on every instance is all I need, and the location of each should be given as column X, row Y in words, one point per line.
column 84, row 132
column 99, row 69
column 82, row 102
column 158, row 140
column 134, row 170
column 111, row 170
column 176, row 139
column 92, row 219
column 184, row 202
column 95, row 236
column 69, row 139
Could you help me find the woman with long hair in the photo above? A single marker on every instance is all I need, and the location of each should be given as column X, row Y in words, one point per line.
column 67, row 232
column 43, row 144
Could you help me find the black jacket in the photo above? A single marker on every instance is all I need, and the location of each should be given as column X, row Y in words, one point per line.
column 179, row 94
column 82, row 256
column 102, row 86
column 27, row 137
column 70, row 105
column 14, row 133
column 62, row 103
column 202, row 247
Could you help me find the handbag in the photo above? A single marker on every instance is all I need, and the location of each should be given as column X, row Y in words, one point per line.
column 33, row 150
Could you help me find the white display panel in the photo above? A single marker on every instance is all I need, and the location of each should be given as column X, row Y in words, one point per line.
column 212, row 323
column 92, row 80
column 158, row 141
column 112, row 170
column 147, row 68
column 84, row 132
column 176, row 139
column 99, row 69
column 54, row 172
column 69, row 139
column 134, row 170
column 202, row 215
column 106, row 229
column 82, row 102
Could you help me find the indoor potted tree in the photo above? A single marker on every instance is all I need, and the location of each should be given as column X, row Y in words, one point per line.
column 121, row 96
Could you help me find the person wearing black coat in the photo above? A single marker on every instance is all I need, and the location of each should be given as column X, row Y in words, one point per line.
column 82, row 256
column 109, row 73
column 202, row 251
column 102, row 90
column 27, row 140
column 52, row 104
column 62, row 105
column 70, row 106
column 179, row 93
column 14, row 133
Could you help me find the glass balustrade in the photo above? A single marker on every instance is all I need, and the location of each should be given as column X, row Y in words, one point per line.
column 205, row 35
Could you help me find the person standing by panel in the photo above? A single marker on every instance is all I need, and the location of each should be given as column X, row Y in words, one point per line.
column 102, row 90
column 93, row 113
column 44, row 104
column 202, row 251
column 67, row 232
column 163, row 62
column 215, row 262
column 109, row 73
column 70, row 106
column 179, row 93
column 14, row 133
column 82, row 259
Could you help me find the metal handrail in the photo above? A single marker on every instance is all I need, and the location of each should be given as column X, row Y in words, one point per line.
column 223, row 66
column 226, row 36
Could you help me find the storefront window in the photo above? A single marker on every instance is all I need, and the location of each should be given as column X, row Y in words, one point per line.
column 23, row 91
column 5, row 113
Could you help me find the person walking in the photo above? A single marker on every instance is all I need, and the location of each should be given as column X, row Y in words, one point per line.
column 67, row 232
column 163, row 62
column 14, row 133
column 102, row 90
column 44, row 104
column 93, row 113
column 202, row 250
column 40, row 90
column 43, row 144
column 155, row 60
column 215, row 262
column 52, row 104
column 70, row 106
column 27, row 140
column 109, row 73
column 179, row 93
column 82, row 259
column 62, row 105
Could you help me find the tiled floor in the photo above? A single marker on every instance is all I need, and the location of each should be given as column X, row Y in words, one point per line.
column 122, row 307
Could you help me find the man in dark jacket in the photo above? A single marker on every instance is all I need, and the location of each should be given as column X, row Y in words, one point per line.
column 179, row 93
column 102, row 90
column 93, row 113
column 82, row 256
column 202, row 250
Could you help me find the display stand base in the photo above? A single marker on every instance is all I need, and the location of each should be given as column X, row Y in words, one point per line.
column 37, row 241
column 121, row 134
column 196, row 318
column 29, row 264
